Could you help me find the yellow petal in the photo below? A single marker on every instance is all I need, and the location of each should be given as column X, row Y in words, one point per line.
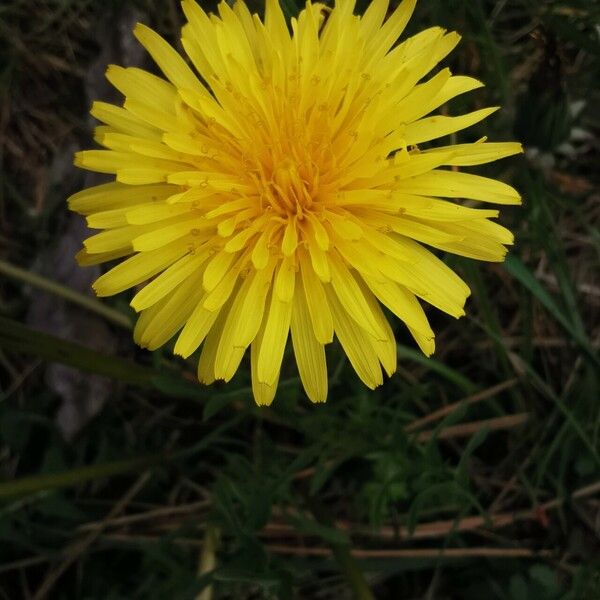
column 432, row 128
column 290, row 238
column 206, row 364
column 467, row 155
column 454, row 184
column 384, row 348
column 429, row 278
column 319, row 260
column 373, row 18
column 411, row 107
column 87, row 260
column 158, row 236
column 276, row 26
column 285, row 279
column 479, row 239
column 141, row 176
column 426, row 344
column 141, row 85
column 261, row 252
column 264, row 393
column 171, row 314
column 243, row 322
column 217, row 297
column 352, row 298
column 168, row 280
column 355, row 343
column 112, row 239
column 152, row 115
column 114, row 195
column 138, row 268
column 318, row 307
column 277, row 326
column 361, row 256
column 143, row 214
column 108, row 219
column 195, row 330
column 402, row 303
column 169, row 60
column 110, row 161
column 391, row 30
column 309, row 352
column 432, row 209
column 217, row 267
column 123, row 120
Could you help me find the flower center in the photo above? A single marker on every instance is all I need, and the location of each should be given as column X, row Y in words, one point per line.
column 287, row 192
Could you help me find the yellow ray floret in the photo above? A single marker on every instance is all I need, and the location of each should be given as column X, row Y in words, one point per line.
column 271, row 186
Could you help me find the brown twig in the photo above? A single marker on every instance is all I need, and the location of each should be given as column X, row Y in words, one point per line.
column 430, row 530
column 446, row 410
column 80, row 546
column 454, row 431
column 466, row 429
column 483, row 551
column 441, row 528
column 166, row 511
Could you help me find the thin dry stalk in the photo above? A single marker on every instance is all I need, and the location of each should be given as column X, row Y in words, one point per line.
column 80, row 546
column 477, row 552
column 450, row 408
column 466, row 429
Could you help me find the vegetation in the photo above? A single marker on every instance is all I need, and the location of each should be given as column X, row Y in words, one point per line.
column 472, row 474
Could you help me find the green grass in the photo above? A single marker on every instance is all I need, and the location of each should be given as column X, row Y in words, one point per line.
column 471, row 474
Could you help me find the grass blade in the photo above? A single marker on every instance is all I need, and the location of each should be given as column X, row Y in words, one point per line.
column 52, row 481
column 92, row 304
column 18, row 338
column 520, row 272
column 437, row 367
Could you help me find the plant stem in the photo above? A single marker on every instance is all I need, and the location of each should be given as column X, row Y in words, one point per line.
column 341, row 552
column 354, row 576
column 114, row 316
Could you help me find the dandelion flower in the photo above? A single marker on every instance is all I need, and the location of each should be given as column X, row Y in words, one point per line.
column 281, row 182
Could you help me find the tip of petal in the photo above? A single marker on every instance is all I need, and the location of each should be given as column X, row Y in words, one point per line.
column 100, row 290
column 429, row 349
column 111, row 69
column 318, row 400
column 78, row 158
column 181, row 351
column 517, row 200
column 264, row 393
column 140, row 30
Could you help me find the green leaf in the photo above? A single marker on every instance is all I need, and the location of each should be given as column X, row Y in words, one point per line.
column 51, row 481
column 289, row 8
column 215, row 405
column 242, row 575
column 18, row 338
column 312, row 527
column 450, row 419
column 544, row 575
column 175, row 386
column 437, row 367
column 474, row 442
column 90, row 303
column 519, row 590
column 541, row 385
column 520, row 272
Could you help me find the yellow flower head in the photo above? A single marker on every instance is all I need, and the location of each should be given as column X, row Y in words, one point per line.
column 281, row 187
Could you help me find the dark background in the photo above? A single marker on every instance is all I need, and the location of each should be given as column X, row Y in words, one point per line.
column 473, row 474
